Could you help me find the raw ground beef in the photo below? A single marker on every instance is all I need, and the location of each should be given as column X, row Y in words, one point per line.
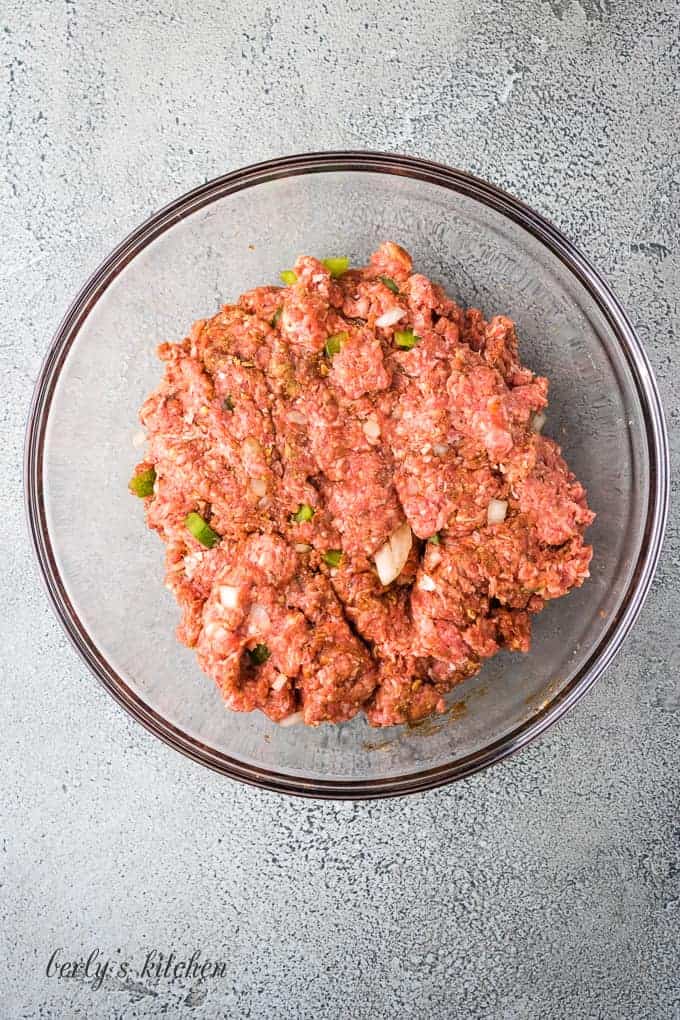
column 382, row 513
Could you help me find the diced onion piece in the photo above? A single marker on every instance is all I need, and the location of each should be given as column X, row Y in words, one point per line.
column 302, row 547
column 538, row 420
column 371, row 428
column 440, row 449
column 279, row 682
column 139, row 439
column 258, row 619
column 258, row 487
column 389, row 317
column 427, row 584
column 496, row 511
column 391, row 557
column 229, row 596
column 297, row 418
column 191, row 561
column 215, row 631
column 292, row 720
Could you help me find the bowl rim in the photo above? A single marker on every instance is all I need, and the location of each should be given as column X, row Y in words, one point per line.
column 539, row 227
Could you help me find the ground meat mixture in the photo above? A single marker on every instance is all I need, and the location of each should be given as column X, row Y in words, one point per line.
column 357, row 504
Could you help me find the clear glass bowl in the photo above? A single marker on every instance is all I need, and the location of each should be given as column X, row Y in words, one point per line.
column 104, row 569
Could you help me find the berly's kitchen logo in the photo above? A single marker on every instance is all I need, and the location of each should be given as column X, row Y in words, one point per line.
column 96, row 967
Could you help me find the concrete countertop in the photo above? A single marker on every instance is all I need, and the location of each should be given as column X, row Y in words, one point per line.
column 547, row 887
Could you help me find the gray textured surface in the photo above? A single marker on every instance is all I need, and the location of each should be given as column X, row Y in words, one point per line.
column 547, row 887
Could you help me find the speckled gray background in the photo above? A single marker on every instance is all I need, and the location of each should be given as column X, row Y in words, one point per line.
column 547, row 887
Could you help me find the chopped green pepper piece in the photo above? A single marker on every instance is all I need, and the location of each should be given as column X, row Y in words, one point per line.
column 201, row 530
column 389, row 282
column 276, row 317
column 334, row 343
column 142, row 484
column 405, row 338
column 333, row 557
column 435, row 539
column 288, row 277
column 259, row 654
column 303, row 513
column 336, row 267
column 228, row 403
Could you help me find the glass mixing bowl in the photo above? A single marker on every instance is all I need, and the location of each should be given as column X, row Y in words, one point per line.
column 104, row 570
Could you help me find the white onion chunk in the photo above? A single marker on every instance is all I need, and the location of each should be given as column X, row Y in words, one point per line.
column 392, row 556
column 389, row 317
column 426, row 583
column 229, row 596
column 496, row 511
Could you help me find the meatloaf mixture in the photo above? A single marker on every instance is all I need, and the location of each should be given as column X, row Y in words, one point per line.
column 357, row 504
